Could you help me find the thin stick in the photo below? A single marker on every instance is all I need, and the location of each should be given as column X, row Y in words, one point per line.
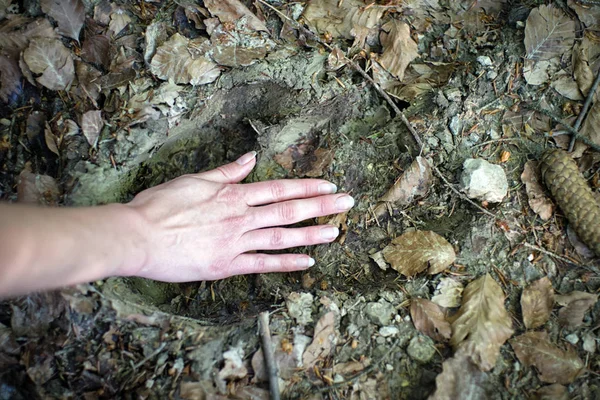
column 357, row 68
column 265, row 334
column 154, row 354
column 584, row 110
column 561, row 258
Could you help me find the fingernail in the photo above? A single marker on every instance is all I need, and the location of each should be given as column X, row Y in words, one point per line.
column 327, row 188
column 330, row 232
column 344, row 203
column 303, row 262
column 246, row 158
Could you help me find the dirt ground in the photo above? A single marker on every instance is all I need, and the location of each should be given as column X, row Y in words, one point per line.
column 350, row 327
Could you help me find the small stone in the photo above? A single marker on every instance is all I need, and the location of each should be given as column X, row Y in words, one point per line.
column 589, row 343
column 300, row 307
column 485, row 61
column 484, row 181
column 494, row 134
column 572, row 338
column 337, row 378
column 389, row 367
column 421, row 349
column 380, row 313
column 456, row 125
column 453, row 94
column 492, row 74
column 386, row 331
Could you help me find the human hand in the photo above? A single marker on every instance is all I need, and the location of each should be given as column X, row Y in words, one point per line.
column 204, row 226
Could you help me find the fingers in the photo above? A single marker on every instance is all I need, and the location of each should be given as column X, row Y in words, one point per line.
column 284, row 238
column 233, row 172
column 292, row 211
column 262, row 263
column 285, row 189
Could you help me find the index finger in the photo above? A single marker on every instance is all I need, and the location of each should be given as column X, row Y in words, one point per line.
column 261, row 193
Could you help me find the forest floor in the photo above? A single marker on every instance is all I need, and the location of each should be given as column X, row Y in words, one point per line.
column 457, row 275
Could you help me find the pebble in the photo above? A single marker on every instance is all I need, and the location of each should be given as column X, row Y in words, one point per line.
column 572, row 338
column 485, row 61
column 421, row 349
column 483, row 181
column 387, row 331
column 380, row 313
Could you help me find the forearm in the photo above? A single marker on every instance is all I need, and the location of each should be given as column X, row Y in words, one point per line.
column 43, row 248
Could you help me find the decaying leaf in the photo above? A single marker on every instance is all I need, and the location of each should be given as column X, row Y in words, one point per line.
column 576, row 304
column 588, row 14
column 553, row 364
column 549, row 33
column 417, row 251
column 552, row 392
column 91, row 125
column 429, row 319
column 482, row 325
column 315, row 164
column 37, row 189
column 9, row 78
column 234, row 11
column 539, row 202
column 183, row 61
column 399, row 49
column 448, row 293
column 286, row 361
column 51, row 59
column 119, row 19
column 414, row 183
column 324, row 341
column 591, row 125
column 539, row 72
column 89, row 80
column 69, row 14
column 582, row 72
column 537, row 301
column 460, row 379
column 51, row 140
column 566, row 86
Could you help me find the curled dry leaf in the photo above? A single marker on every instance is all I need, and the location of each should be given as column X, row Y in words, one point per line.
column 414, row 183
column 323, row 343
column 482, row 325
column 537, row 301
column 553, row 364
column 183, row 61
column 69, row 14
column 537, row 199
column 91, row 125
column 429, row 319
column 448, row 293
column 417, row 251
column 399, row 49
column 51, row 59
column 549, row 33
column 460, row 379
column 37, row 189
column 576, row 304
column 233, row 11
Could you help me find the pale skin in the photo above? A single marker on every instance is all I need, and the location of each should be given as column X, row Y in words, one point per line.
column 197, row 227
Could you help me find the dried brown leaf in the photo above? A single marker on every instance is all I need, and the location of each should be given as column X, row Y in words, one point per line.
column 317, row 162
column 588, row 14
column 233, row 11
column 37, row 189
column 552, row 392
column 566, row 86
column 539, row 202
column 549, row 33
column 413, row 184
column 459, row 379
column 51, row 59
column 576, row 304
column 324, row 341
column 448, row 293
column 69, row 14
column 236, row 56
column 553, row 364
column 51, row 140
column 10, row 78
column 539, row 72
column 399, row 49
column 91, row 125
column 119, row 19
column 417, row 251
column 537, row 301
column 96, row 50
column 89, row 80
column 482, row 325
column 183, row 61
column 429, row 319
column 582, row 72
column 591, row 125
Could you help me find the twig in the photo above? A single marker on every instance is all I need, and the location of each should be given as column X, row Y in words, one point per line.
column 561, row 258
column 265, row 334
column 357, row 68
column 154, row 354
column 584, row 110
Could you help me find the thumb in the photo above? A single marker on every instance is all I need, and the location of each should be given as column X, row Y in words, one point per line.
column 233, row 172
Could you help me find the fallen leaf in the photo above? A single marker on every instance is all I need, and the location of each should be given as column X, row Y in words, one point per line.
column 37, row 189
column 566, row 86
column 119, row 19
column 285, row 361
column 429, row 319
column 417, row 251
column 459, row 379
column 91, row 125
column 539, row 72
column 234, row 367
column 183, row 61
column 233, row 11
column 237, row 56
column 414, row 183
column 591, row 125
column 399, row 49
column 52, row 59
column 539, row 202
column 89, row 80
column 552, row 392
column 10, row 78
column 576, row 304
column 481, row 325
column 587, row 13
column 41, row 369
column 315, row 164
column 553, row 364
column 549, row 33
column 69, row 14
column 582, row 72
column 448, row 293
column 324, row 341
column 51, row 140
column 95, row 48
column 350, row 368
column 537, row 301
